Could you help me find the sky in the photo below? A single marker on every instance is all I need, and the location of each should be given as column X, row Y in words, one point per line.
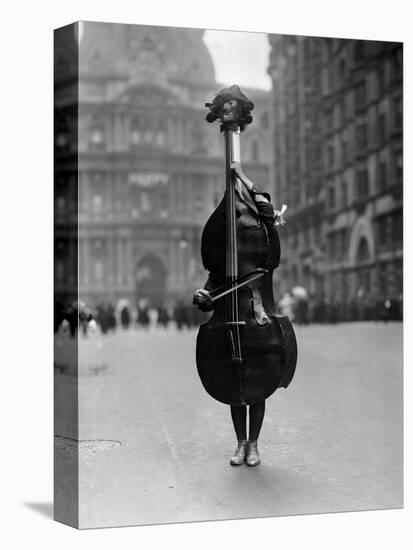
column 240, row 57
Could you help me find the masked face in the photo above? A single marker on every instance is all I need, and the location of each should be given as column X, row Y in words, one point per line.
column 230, row 111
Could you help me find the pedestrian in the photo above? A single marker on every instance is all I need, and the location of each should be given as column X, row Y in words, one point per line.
column 219, row 343
column 286, row 305
column 143, row 319
column 111, row 317
column 163, row 317
column 125, row 317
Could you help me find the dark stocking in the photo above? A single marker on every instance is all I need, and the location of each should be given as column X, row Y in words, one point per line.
column 256, row 417
column 239, row 419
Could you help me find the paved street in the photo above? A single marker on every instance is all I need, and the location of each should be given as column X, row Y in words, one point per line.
column 155, row 447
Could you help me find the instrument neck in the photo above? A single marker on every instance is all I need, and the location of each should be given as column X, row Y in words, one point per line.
column 232, row 154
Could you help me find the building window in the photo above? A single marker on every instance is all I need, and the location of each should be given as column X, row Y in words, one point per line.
column 96, row 178
column 360, row 95
column 198, row 140
column 329, row 121
column 344, row 194
column 264, row 120
column 382, row 127
column 344, row 151
column 381, row 80
column 135, row 136
column 399, row 167
column 361, row 136
column 332, row 197
column 255, row 152
column 330, row 156
column 62, row 140
column 98, row 270
column 146, row 205
column 397, row 62
column 60, row 270
column 61, row 204
column 363, row 254
column 398, row 112
column 97, row 202
column 362, row 182
column 381, row 231
column 96, row 138
column 382, row 179
column 331, row 249
column 160, row 138
column 341, row 71
column 398, row 227
column 359, row 51
column 341, row 114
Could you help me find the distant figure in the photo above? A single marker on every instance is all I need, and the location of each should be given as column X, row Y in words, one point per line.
column 387, row 311
column 163, row 317
column 125, row 317
column 143, row 317
column 102, row 318
column 180, row 315
column 286, row 305
column 111, row 317
column 59, row 315
column 153, row 316
column 85, row 317
column 71, row 316
column 300, row 308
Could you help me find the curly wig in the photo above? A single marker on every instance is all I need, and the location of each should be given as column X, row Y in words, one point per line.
column 227, row 94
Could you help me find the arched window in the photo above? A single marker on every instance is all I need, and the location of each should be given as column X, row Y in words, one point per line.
column 363, row 252
column 150, row 280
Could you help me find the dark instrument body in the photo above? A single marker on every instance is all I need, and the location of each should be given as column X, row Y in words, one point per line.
column 268, row 345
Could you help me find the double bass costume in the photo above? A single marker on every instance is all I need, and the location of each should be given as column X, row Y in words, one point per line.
column 245, row 351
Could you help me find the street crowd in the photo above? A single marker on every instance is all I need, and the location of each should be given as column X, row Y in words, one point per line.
column 302, row 310
column 297, row 305
column 109, row 317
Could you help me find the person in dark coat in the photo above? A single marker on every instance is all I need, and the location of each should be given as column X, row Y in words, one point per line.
column 125, row 317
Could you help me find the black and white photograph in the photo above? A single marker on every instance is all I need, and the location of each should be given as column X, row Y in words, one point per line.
column 228, row 274
column 205, row 300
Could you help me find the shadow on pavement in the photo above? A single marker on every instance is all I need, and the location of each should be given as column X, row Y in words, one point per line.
column 43, row 508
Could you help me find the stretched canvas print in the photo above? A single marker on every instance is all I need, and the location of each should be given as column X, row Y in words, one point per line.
column 228, row 274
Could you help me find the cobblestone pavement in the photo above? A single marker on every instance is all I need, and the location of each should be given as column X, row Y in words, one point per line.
column 157, row 447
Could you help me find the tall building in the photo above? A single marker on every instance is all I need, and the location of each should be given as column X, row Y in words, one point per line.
column 150, row 169
column 338, row 163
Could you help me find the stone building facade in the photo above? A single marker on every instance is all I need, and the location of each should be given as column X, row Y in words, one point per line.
column 338, row 164
column 149, row 169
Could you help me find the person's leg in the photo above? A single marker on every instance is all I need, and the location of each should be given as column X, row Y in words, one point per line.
column 239, row 419
column 256, row 417
column 257, row 412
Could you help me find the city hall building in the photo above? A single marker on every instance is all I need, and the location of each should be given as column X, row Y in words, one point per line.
column 338, row 164
column 138, row 170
